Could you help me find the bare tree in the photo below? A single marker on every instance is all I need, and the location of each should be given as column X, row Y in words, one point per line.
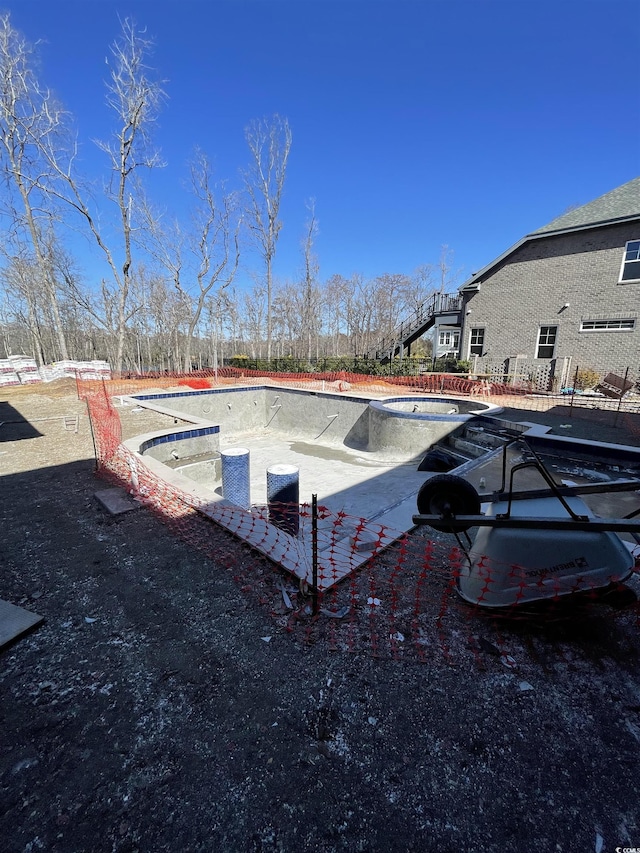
column 388, row 302
column 337, row 296
column 270, row 143
column 421, row 285
column 203, row 261
column 135, row 98
column 350, row 313
column 288, row 319
column 163, row 318
column 29, row 119
column 219, row 309
column 448, row 276
column 20, row 278
column 254, row 317
column 233, row 323
column 310, row 316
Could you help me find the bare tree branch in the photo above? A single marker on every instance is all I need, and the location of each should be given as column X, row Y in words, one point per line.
column 269, row 142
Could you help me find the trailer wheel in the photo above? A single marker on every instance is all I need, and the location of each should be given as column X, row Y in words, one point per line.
column 448, row 495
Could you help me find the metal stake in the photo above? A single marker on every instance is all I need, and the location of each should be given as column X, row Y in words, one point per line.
column 622, row 393
column 573, row 394
column 314, row 554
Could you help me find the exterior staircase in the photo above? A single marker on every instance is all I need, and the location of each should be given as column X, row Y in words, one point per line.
column 414, row 327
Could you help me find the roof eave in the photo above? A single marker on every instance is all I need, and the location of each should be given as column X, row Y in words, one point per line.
column 471, row 284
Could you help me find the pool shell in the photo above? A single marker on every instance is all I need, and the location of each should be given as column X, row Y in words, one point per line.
column 368, row 449
column 396, row 428
column 366, row 452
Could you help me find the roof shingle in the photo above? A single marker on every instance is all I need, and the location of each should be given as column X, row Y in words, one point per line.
column 621, row 203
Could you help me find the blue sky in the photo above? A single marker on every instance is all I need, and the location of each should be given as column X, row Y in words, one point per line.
column 416, row 123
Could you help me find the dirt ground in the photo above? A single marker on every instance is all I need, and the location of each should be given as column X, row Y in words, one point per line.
column 148, row 712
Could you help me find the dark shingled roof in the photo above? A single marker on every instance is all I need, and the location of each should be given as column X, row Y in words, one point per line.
column 621, row 203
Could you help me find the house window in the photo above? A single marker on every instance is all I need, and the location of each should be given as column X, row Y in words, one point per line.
column 451, row 340
column 546, row 341
column 476, row 342
column 631, row 262
column 607, row 325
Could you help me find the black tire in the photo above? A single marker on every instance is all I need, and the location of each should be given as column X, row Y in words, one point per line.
column 448, row 495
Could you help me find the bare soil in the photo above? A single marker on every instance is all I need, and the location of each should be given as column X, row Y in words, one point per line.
column 149, row 713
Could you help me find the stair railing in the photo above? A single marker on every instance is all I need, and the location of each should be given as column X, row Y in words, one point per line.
column 438, row 303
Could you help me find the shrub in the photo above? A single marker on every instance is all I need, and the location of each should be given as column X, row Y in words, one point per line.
column 586, row 378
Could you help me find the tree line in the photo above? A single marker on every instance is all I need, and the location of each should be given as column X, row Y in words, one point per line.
column 169, row 299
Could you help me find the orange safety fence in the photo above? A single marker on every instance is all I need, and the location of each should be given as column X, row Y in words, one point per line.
column 384, row 592
column 622, row 413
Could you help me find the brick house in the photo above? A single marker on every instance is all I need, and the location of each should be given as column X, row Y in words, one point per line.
column 564, row 297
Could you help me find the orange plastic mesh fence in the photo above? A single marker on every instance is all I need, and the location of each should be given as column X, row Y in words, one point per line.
column 384, row 592
column 607, row 410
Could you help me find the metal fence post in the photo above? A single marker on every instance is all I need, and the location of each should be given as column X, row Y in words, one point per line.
column 314, row 554
column 622, row 393
column 575, row 382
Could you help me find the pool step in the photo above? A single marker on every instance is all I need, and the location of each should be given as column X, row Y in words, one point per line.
column 469, row 449
column 472, row 442
column 186, row 461
column 484, row 438
column 441, row 458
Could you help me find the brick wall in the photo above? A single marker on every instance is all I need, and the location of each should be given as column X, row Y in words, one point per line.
column 530, row 288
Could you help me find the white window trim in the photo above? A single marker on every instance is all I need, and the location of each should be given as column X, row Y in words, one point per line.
column 453, row 338
column 612, row 328
column 624, row 261
column 471, row 344
column 555, row 342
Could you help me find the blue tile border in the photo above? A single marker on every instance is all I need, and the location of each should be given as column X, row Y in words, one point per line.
column 250, row 389
column 198, row 393
column 475, row 407
column 178, row 436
